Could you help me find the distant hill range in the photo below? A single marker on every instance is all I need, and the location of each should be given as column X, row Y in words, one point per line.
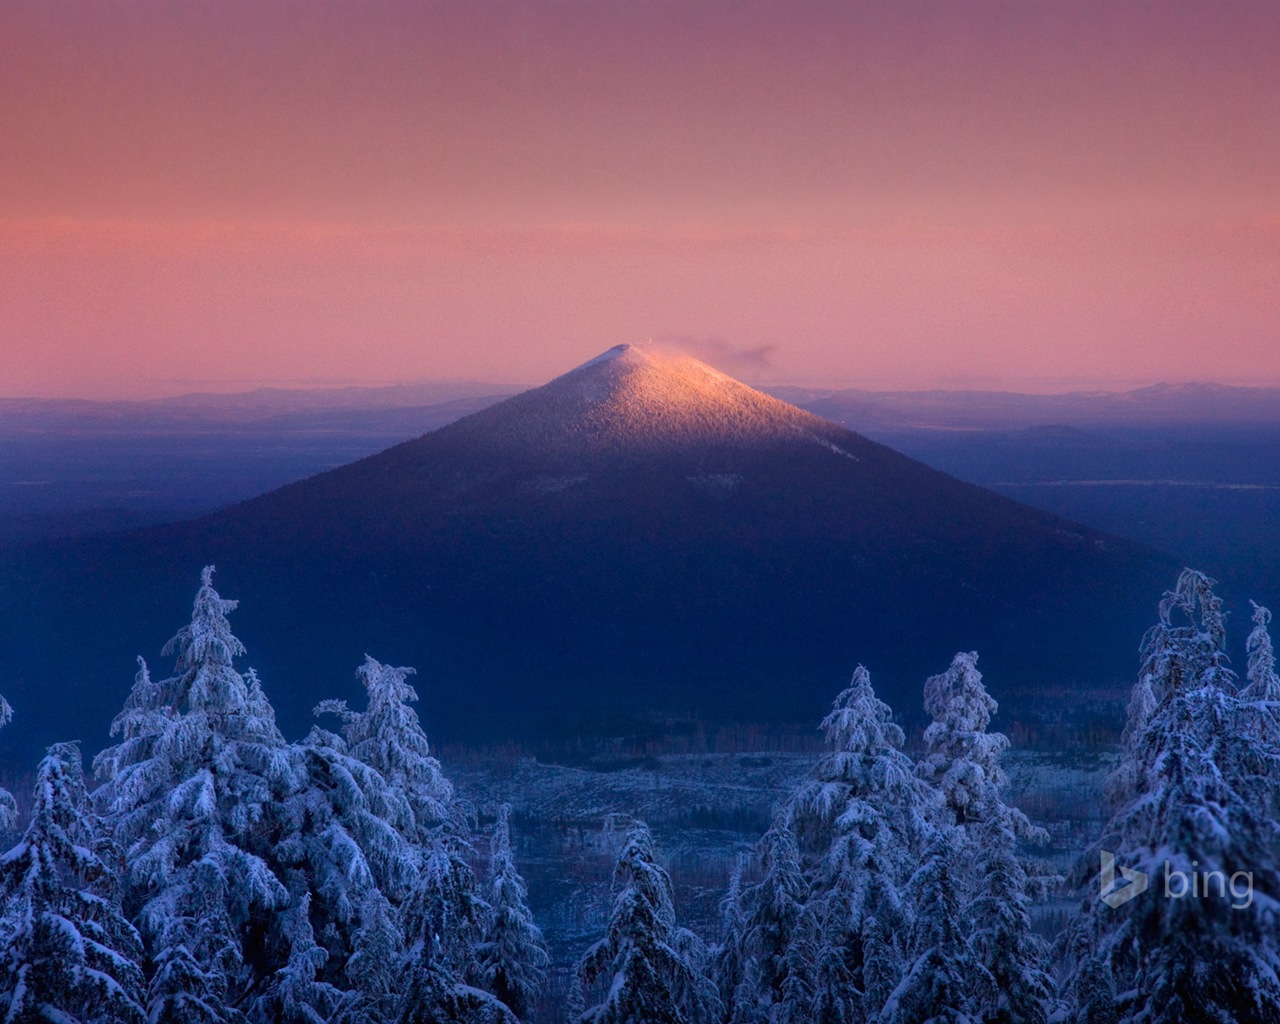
column 373, row 408
column 213, row 410
column 1158, row 405
column 640, row 535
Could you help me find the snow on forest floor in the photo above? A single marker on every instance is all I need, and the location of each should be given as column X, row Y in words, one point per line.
column 706, row 811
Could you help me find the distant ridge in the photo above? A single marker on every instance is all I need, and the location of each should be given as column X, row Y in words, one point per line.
column 212, row 409
column 1157, row 405
column 641, row 535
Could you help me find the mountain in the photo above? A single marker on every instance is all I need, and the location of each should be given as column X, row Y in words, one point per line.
column 642, row 534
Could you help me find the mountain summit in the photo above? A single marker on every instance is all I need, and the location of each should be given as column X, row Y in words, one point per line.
column 634, row 398
column 642, row 534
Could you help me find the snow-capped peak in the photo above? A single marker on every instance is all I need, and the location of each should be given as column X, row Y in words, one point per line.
column 634, row 396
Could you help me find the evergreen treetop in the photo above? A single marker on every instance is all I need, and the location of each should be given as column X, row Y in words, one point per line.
column 69, row 954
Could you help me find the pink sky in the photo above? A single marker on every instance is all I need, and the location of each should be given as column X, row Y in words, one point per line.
column 1038, row 196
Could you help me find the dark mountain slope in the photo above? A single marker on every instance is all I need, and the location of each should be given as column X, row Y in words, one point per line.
column 640, row 534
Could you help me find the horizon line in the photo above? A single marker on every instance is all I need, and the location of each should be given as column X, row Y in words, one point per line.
column 172, row 389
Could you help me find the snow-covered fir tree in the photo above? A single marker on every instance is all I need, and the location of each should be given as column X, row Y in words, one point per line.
column 1263, row 690
column 643, row 965
column 862, row 811
column 1264, row 683
column 884, row 934
column 1173, row 653
column 377, row 817
column 445, row 916
column 962, row 759
column 193, row 791
column 344, row 836
column 1190, row 813
column 863, row 818
column 267, row 877
column 435, row 995
column 999, row 915
column 374, row 969
column 800, row 960
column 184, row 990
column 444, row 920
column 69, row 954
column 945, row 978
column 727, row 954
column 1092, row 983
column 695, row 988
column 770, row 916
column 388, row 737
column 295, row 994
column 511, row 958
column 1262, row 710
column 8, row 806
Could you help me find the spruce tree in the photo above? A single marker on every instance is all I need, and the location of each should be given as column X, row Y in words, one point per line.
column 801, row 962
column 645, row 966
column 436, row 996
column 884, row 936
column 1262, row 697
column 193, row 791
column 387, row 797
column 839, row 961
column 374, row 968
column 388, row 737
column 862, row 812
column 444, row 920
column 69, row 955
column 1015, row 958
column 1264, row 683
column 863, row 817
column 343, row 838
column 8, row 807
column 771, row 912
column 945, row 977
column 184, row 991
column 512, row 956
column 962, row 759
column 1189, row 811
column 445, row 915
column 296, row 994
column 695, row 989
column 727, row 955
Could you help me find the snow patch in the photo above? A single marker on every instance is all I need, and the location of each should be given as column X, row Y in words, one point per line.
column 555, row 484
column 833, row 447
column 717, row 484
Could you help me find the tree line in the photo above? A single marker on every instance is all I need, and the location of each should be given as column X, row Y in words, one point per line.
column 218, row 874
